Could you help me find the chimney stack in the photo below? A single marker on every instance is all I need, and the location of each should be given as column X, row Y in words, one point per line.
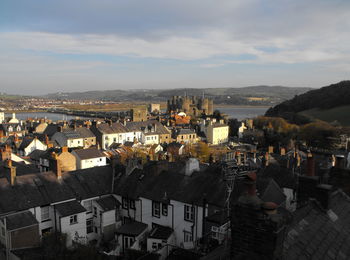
column 56, row 166
column 46, row 140
column 270, row 149
column 250, row 183
column 64, row 149
column 13, row 173
column 310, row 165
column 283, row 151
column 323, row 192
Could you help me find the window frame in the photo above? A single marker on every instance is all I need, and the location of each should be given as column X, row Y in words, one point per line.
column 156, row 209
column 89, row 226
column 125, row 203
column 48, row 213
column 132, row 204
column 188, row 236
column 189, row 213
column 164, row 209
column 73, row 219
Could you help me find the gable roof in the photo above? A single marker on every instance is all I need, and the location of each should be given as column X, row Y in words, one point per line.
column 159, row 181
column 132, row 228
column 108, row 203
column 84, row 132
column 33, row 190
column 25, row 142
column 319, row 233
column 69, row 208
column 113, row 128
column 90, row 153
column 20, row 220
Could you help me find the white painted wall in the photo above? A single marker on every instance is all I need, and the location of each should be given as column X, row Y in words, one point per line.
column 36, row 144
column 75, row 229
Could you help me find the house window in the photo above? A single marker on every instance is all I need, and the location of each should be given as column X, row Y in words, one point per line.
column 88, row 206
column 128, row 242
column 155, row 209
column 95, row 212
column 89, row 226
column 188, row 236
column 132, row 204
column 114, row 139
column 46, row 231
column 154, row 246
column 189, row 213
column 73, row 219
column 125, row 203
column 164, row 209
column 45, row 213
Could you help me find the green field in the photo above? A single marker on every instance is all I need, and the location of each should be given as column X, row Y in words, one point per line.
column 340, row 114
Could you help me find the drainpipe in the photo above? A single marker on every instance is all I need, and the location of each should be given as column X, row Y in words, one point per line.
column 172, row 216
column 140, row 209
column 196, row 221
column 203, row 217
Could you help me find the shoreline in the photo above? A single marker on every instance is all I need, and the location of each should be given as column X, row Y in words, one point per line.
column 239, row 106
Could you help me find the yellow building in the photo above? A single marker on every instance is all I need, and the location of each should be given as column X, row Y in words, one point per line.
column 217, row 133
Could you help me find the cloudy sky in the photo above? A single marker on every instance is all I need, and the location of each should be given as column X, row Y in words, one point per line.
column 77, row 45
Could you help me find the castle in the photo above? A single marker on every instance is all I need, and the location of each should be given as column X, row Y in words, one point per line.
column 193, row 106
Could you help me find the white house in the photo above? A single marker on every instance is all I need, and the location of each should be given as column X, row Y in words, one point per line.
column 69, row 138
column 87, row 158
column 161, row 240
column 71, row 220
column 29, row 144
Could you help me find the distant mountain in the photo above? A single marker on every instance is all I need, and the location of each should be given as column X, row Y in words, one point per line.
column 330, row 103
column 254, row 95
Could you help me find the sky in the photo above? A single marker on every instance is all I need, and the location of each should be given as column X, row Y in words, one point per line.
column 49, row 46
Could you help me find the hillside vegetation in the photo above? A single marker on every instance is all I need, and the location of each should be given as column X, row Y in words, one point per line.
column 331, row 103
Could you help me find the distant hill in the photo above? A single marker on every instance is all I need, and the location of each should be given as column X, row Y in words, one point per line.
column 330, row 103
column 254, row 95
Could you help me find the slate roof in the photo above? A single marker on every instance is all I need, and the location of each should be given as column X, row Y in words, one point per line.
column 25, row 142
column 36, row 154
column 185, row 132
column 114, row 128
column 50, row 130
column 132, row 228
column 160, row 232
column 71, row 134
column 136, row 126
column 90, row 153
column 20, row 220
column 84, row 132
column 320, row 234
column 21, row 169
column 158, row 179
column 269, row 190
column 69, row 208
column 281, row 175
column 33, row 190
column 108, row 203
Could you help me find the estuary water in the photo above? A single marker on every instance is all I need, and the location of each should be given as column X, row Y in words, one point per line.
column 233, row 112
column 241, row 113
